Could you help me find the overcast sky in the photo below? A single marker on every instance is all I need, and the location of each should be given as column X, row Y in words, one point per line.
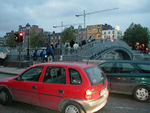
column 47, row 13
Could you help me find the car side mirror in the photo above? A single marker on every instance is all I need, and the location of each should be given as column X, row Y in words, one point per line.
column 19, row 78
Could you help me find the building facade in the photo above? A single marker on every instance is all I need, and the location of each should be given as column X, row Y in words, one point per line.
column 2, row 42
column 103, row 32
column 114, row 33
column 94, row 31
column 55, row 37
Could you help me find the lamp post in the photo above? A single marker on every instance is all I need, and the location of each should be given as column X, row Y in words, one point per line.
column 84, row 15
column 28, row 47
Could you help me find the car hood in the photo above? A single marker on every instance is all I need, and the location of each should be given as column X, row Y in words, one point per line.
column 7, row 79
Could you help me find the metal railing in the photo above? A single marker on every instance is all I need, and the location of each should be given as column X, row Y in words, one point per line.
column 92, row 49
column 84, row 52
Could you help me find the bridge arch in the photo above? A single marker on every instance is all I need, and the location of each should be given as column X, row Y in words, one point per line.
column 125, row 53
column 98, row 48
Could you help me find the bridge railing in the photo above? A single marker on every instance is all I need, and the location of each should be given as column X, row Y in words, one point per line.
column 91, row 49
column 101, row 45
column 84, row 52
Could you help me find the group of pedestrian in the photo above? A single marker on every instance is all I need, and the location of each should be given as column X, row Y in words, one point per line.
column 71, row 47
column 46, row 55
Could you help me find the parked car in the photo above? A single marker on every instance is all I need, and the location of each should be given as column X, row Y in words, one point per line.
column 3, row 54
column 128, row 77
column 70, row 87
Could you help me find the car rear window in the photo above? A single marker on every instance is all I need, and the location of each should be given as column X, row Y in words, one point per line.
column 144, row 67
column 95, row 75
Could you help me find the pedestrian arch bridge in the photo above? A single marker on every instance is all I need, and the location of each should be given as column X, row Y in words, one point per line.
column 101, row 49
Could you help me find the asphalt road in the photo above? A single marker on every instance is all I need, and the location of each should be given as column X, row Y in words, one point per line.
column 117, row 103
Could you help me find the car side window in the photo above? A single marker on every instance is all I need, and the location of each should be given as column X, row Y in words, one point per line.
column 32, row 74
column 75, row 78
column 144, row 67
column 56, row 75
column 106, row 67
column 125, row 68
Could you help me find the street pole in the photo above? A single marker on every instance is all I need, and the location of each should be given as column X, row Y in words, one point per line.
column 84, row 18
column 84, row 24
column 28, row 51
column 28, row 48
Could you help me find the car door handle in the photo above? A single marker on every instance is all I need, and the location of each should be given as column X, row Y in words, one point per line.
column 34, row 87
column 61, row 91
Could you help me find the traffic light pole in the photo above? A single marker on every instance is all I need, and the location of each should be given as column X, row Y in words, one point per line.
column 28, row 51
column 20, row 55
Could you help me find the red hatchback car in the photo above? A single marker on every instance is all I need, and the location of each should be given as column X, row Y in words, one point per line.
column 70, row 87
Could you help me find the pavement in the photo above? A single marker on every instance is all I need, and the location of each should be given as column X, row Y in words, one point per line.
column 11, row 70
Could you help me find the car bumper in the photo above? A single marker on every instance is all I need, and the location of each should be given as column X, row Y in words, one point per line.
column 94, row 105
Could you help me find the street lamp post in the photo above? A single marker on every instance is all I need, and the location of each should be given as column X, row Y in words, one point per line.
column 28, row 48
column 84, row 15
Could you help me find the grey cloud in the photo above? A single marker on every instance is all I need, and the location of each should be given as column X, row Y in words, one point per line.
column 47, row 13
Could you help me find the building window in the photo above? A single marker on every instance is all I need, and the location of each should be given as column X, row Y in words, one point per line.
column 113, row 32
column 89, row 30
column 98, row 29
column 94, row 30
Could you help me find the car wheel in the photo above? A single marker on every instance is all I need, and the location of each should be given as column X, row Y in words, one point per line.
column 142, row 94
column 5, row 97
column 73, row 108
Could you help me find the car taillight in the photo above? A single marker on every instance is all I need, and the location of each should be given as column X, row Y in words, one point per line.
column 103, row 92
column 89, row 93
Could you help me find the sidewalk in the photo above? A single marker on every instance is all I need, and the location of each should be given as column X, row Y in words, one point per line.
column 11, row 70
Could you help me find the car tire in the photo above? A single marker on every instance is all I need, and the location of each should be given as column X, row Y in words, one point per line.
column 142, row 94
column 72, row 107
column 5, row 97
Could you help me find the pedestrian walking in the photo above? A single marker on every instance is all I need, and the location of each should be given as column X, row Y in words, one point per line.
column 35, row 57
column 49, row 53
column 76, row 46
column 42, row 54
column 67, row 47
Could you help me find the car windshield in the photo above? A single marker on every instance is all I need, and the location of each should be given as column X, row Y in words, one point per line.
column 95, row 75
column 144, row 67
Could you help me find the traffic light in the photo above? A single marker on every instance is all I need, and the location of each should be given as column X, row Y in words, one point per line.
column 19, row 37
column 16, row 37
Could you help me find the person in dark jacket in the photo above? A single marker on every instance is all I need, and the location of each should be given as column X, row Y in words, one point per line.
column 49, row 53
column 35, row 57
column 42, row 54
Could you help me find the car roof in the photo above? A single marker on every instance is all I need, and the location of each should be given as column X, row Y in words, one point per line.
column 67, row 63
